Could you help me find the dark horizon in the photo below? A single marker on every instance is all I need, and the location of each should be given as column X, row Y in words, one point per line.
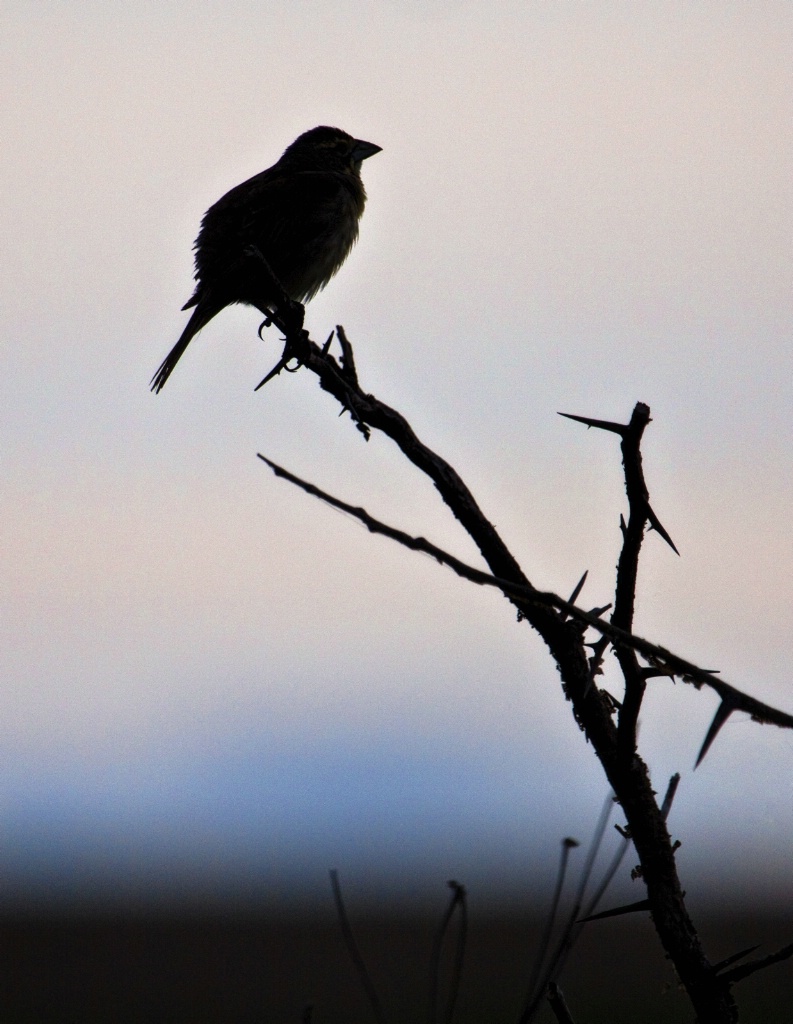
column 231, row 968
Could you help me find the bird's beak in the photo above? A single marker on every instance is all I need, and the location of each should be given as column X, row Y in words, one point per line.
column 362, row 150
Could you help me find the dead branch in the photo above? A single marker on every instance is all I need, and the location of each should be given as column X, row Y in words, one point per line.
column 669, row 665
column 562, row 626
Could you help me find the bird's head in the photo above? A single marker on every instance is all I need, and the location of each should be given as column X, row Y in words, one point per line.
column 328, row 149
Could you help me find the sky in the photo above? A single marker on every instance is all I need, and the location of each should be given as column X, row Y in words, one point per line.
column 215, row 685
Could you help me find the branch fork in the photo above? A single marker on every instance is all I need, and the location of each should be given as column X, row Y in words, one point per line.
column 609, row 725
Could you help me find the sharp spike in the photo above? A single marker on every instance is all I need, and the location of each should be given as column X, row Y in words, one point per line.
column 728, row 961
column 655, row 524
column 615, row 428
column 724, row 711
column 629, row 908
column 578, row 588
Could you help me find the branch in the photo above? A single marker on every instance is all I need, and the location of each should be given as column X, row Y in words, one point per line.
column 671, row 789
column 631, row 434
column 352, row 949
column 593, row 710
column 671, row 663
column 558, row 1005
column 458, row 899
column 340, row 380
column 640, row 515
column 568, row 844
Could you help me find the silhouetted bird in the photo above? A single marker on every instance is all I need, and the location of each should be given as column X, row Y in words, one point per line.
column 301, row 214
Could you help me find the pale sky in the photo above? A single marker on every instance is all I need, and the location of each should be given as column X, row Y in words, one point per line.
column 578, row 206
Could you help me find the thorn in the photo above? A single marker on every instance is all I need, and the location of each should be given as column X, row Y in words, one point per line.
column 576, row 591
column 578, row 588
column 723, row 712
column 728, row 961
column 655, row 524
column 280, row 365
column 326, row 346
column 650, row 672
column 629, row 908
column 616, row 428
column 597, row 612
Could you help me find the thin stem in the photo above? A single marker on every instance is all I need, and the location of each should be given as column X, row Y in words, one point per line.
column 352, row 949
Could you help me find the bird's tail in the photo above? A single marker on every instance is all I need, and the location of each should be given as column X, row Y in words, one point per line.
column 202, row 314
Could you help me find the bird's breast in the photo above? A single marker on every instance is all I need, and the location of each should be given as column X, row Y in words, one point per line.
column 334, row 230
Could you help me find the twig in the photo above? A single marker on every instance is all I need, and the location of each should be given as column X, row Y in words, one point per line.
column 573, row 927
column 352, row 949
column 671, row 790
column 458, row 900
column 610, row 872
column 656, row 654
column 558, row 1005
column 568, row 844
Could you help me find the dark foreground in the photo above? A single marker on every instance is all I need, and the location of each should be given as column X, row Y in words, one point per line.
column 86, row 969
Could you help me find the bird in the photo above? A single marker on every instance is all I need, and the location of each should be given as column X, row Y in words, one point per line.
column 300, row 215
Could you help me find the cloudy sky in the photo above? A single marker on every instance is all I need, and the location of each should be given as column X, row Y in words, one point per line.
column 210, row 680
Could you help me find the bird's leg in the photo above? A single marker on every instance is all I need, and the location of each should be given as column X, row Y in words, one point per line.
column 287, row 315
column 296, row 347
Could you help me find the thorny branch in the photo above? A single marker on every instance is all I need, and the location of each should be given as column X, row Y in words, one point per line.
column 655, row 654
column 562, row 626
column 627, row 571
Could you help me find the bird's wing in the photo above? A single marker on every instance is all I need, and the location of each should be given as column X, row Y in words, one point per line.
column 283, row 213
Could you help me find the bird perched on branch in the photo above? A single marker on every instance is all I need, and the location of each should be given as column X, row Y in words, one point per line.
column 300, row 215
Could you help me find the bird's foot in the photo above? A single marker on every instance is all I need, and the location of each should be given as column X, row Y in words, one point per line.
column 295, row 348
